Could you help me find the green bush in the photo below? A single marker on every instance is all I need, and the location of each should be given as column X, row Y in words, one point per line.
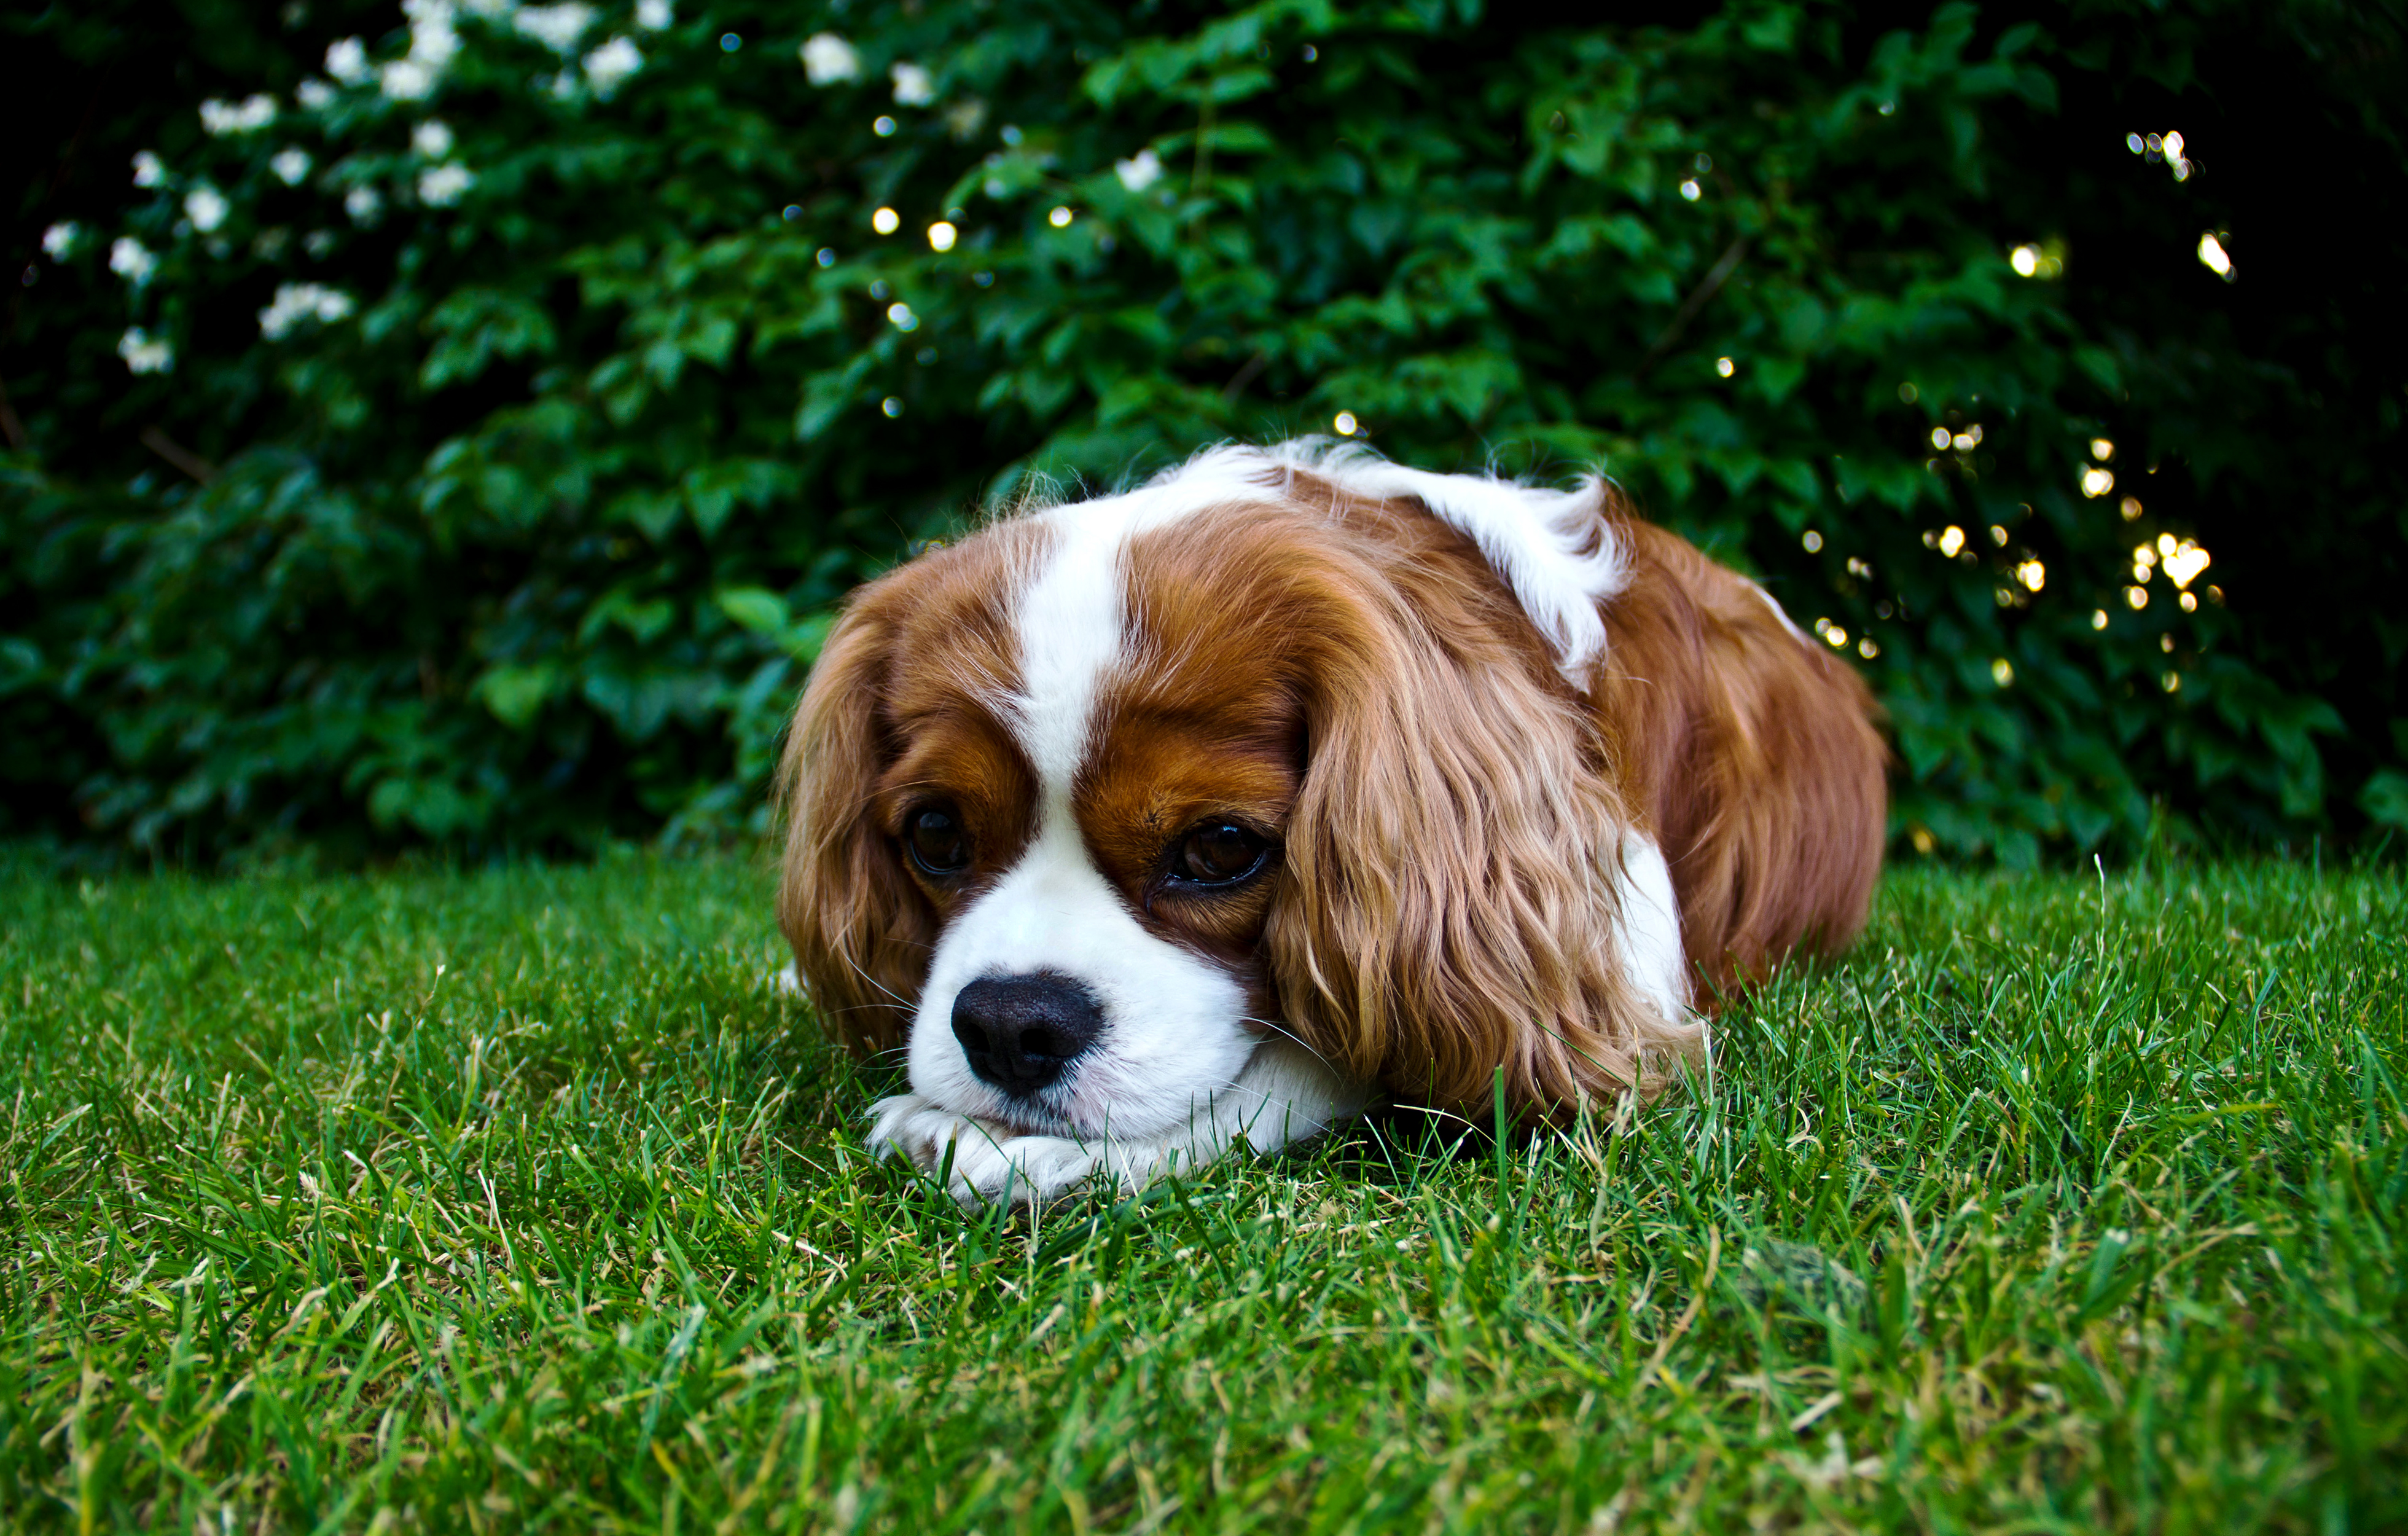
column 540, row 385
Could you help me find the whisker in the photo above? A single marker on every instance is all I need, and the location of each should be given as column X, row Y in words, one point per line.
column 1293, row 1037
column 900, row 1000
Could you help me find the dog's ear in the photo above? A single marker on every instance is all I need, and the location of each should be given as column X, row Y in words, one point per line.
column 1449, row 905
column 860, row 930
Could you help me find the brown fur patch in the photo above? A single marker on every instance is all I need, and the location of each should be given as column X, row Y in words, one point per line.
column 1752, row 755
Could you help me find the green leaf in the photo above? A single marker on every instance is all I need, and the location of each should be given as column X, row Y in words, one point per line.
column 2385, row 799
column 515, row 694
column 757, row 609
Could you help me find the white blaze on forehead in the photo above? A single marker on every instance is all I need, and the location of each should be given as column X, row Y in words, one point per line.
column 1071, row 622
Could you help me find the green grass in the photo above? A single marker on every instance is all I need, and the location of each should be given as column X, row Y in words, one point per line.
column 517, row 1201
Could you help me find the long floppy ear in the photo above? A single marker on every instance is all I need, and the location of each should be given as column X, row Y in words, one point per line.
column 860, row 930
column 1448, row 906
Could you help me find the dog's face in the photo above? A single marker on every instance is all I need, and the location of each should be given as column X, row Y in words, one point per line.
column 1093, row 819
column 1088, row 806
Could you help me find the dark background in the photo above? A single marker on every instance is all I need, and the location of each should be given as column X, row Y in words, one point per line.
column 2266, row 410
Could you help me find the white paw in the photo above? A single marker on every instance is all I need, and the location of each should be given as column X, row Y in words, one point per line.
column 990, row 1162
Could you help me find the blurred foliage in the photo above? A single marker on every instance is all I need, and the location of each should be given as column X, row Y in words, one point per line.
column 524, row 412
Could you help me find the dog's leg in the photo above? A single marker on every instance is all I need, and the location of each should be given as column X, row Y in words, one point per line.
column 1284, row 1095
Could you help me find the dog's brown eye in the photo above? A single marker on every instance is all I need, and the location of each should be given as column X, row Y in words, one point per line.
column 1219, row 854
column 938, row 844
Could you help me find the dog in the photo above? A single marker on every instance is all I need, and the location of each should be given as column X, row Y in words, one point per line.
column 1214, row 812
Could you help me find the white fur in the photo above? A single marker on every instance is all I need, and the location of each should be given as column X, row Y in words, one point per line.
column 1648, row 931
column 1284, row 1095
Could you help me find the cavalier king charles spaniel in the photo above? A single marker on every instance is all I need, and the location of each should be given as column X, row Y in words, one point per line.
column 1296, row 778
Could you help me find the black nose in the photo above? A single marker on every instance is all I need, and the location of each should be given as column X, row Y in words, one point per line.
column 1019, row 1032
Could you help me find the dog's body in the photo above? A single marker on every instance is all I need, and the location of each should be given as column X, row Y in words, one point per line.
column 1220, row 808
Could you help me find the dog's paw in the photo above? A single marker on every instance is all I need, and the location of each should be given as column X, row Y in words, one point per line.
column 989, row 1163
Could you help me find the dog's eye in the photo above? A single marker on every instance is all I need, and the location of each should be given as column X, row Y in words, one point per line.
column 1219, row 854
column 938, row 844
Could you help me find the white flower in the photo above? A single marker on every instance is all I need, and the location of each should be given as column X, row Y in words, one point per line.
column 348, row 60
column 432, row 40
column 144, row 355
column 60, row 239
column 148, row 172
column 406, row 80
column 362, row 204
column 432, row 138
column 290, row 165
column 432, row 44
column 652, row 15
column 828, row 58
column 613, row 62
column 557, row 27
column 440, row 186
column 314, row 95
column 129, row 259
column 298, row 301
column 205, row 207
column 912, row 85
column 249, row 115
column 1139, row 171
column 318, row 242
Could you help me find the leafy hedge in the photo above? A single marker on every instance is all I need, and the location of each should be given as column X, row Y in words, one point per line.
column 525, row 386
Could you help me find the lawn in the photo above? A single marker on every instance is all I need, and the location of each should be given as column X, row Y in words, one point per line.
column 519, row 1200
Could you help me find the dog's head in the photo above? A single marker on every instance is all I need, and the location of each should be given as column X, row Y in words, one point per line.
column 1085, row 806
